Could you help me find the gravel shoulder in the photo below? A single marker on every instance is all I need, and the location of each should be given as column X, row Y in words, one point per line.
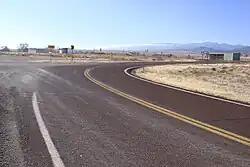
column 231, row 81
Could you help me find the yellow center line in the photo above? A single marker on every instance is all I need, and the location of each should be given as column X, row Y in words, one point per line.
column 202, row 125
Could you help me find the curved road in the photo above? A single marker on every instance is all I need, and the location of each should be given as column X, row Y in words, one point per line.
column 54, row 116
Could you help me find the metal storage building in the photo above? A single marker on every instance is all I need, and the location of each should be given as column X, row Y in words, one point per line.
column 63, row 50
column 232, row 56
column 224, row 56
column 31, row 50
column 216, row 56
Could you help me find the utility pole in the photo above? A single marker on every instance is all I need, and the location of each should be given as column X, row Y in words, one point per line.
column 72, row 56
column 50, row 56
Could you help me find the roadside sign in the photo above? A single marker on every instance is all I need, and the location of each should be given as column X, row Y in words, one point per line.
column 72, row 48
column 51, row 46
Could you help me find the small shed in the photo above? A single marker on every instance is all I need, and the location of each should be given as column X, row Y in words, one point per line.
column 63, row 50
column 42, row 50
column 31, row 50
column 216, row 56
column 232, row 56
column 225, row 56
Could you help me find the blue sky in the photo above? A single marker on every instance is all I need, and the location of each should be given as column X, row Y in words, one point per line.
column 100, row 23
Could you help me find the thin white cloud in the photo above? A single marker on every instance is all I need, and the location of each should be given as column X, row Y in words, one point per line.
column 122, row 46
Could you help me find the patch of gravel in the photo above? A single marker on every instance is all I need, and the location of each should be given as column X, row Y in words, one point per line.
column 11, row 153
column 231, row 81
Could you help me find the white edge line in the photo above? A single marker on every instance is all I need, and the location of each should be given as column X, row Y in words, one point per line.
column 57, row 161
column 179, row 89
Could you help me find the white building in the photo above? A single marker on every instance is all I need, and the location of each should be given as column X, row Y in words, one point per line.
column 32, row 50
column 63, row 50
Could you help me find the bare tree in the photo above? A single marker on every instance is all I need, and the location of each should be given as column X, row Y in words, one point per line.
column 170, row 55
column 202, row 54
column 23, row 47
column 207, row 55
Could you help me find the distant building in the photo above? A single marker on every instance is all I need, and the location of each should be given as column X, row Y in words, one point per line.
column 224, row 56
column 232, row 56
column 216, row 56
column 135, row 53
column 129, row 54
column 23, row 50
column 42, row 50
column 4, row 49
column 63, row 50
column 38, row 50
column 32, row 50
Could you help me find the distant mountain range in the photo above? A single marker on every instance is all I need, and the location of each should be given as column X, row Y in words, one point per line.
column 193, row 47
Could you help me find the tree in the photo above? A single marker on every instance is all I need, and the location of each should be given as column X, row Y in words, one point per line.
column 4, row 49
column 170, row 55
column 207, row 55
column 23, row 47
column 202, row 54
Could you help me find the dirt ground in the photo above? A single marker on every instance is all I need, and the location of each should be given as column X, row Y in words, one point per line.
column 107, row 57
column 231, row 81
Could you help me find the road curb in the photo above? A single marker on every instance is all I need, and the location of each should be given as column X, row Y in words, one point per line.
column 130, row 72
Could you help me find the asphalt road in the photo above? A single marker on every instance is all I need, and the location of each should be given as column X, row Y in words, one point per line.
column 90, row 126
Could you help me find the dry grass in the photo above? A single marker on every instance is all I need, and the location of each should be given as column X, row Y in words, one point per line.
column 103, row 57
column 245, row 58
column 226, row 80
column 106, row 56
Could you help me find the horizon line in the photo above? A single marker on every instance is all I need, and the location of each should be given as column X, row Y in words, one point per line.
column 113, row 46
